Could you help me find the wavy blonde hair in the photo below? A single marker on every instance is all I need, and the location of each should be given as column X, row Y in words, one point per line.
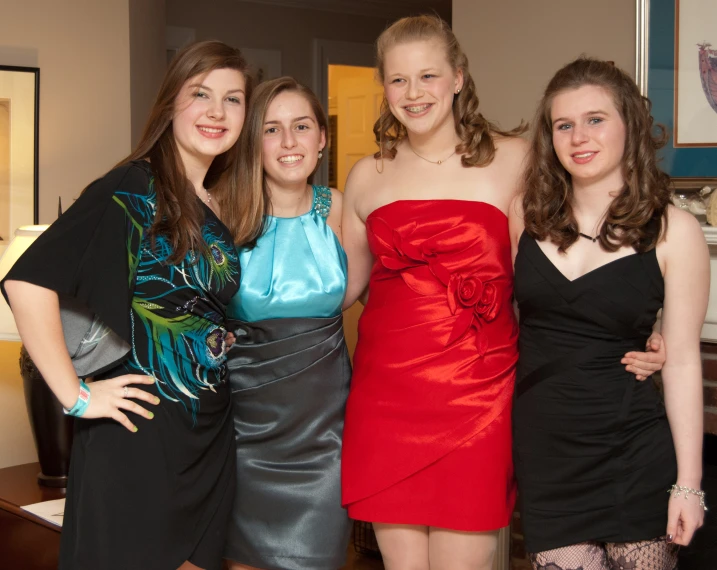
column 477, row 146
column 637, row 216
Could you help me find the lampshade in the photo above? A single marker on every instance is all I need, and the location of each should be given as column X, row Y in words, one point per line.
column 24, row 236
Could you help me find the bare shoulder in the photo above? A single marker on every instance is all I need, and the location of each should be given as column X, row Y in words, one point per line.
column 511, row 149
column 362, row 173
column 682, row 228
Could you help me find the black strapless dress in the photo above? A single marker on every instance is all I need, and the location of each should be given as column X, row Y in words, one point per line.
column 593, row 449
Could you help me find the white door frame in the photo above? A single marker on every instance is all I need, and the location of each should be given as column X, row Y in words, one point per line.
column 335, row 53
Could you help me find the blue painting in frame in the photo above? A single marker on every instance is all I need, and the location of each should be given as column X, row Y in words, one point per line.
column 681, row 162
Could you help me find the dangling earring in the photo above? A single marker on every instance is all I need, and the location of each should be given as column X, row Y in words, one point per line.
column 321, row 154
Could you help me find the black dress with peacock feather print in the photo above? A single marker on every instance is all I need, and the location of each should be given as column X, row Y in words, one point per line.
column 160, row 496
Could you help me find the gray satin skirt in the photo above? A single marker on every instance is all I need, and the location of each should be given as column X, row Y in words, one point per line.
column 289, row 380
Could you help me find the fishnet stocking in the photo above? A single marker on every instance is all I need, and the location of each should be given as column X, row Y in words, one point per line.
column 583, row 556
column 645, row 555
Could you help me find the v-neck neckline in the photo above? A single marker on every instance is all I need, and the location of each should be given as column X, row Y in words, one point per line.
column 564, row 277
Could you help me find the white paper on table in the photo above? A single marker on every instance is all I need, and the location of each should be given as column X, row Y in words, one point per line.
column 51, row 511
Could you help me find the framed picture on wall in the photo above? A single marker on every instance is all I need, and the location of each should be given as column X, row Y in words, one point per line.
column 677, row 70
column 19, row 110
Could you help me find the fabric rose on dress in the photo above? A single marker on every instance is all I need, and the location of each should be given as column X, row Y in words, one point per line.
column 473, row 301
column 396, row 251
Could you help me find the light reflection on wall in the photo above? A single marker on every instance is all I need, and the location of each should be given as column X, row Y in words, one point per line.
column 18, row 89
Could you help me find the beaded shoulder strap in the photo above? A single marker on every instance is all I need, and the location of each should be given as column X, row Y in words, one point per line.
column 322, row 201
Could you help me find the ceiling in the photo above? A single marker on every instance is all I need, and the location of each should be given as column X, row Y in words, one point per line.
column 388, row 9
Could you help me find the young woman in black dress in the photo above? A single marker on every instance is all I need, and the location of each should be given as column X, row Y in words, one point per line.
column 130, row 287
column 608, row 475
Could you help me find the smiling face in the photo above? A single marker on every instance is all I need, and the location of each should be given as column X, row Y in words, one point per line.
column 589, row 135
column 208, row 115
column 420, row 84
column 292, row 140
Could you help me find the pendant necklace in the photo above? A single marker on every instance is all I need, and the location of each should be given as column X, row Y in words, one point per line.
column 438, row 162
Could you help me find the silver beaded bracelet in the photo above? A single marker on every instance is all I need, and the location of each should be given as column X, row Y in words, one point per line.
column 676, row 490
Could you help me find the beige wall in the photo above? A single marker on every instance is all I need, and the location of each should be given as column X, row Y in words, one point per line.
column 515, row 46
column 291, row 30
column 148, row 58
column 82, row 50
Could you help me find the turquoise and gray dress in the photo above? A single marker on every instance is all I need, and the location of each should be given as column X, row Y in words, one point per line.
column 289, row 373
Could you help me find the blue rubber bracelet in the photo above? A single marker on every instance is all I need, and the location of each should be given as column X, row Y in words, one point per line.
column 83, row 400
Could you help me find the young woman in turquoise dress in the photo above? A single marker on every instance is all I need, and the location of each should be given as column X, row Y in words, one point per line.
column 289, row 369
column 130, row 287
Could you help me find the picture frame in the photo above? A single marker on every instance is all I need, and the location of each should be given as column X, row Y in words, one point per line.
column 19, row 145
column 667, row 72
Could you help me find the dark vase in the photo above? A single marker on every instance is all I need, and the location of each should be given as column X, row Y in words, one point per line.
column 51, row 428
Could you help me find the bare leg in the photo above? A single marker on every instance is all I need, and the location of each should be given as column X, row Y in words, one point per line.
column 583, row 556
column 456, row 550
column 403, row 547
column 645, row 555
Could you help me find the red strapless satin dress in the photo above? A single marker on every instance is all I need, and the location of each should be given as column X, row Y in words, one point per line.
column 427, row 438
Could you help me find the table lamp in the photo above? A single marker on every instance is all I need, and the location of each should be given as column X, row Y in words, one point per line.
column 51, row 428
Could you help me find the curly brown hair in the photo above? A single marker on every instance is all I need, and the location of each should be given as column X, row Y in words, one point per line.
column 637, row 216
column 477, row 146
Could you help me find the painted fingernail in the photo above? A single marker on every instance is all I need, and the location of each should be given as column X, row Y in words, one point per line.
column 151, row 415
column 135, row 429
column 156, row 400
column 669, row 538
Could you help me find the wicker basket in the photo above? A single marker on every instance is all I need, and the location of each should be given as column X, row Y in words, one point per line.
column 365, row 540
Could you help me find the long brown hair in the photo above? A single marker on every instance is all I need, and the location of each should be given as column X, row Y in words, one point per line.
column 477, row 146
column 637, row 216
column 251, row 179
column 179, row 214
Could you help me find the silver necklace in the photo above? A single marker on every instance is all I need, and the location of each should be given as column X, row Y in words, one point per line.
column 438, row 162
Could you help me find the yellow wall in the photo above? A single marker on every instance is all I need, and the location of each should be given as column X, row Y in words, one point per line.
column 16, row 443
column 515, row 46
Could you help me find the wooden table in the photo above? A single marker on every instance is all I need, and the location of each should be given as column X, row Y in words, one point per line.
column 26, row 542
